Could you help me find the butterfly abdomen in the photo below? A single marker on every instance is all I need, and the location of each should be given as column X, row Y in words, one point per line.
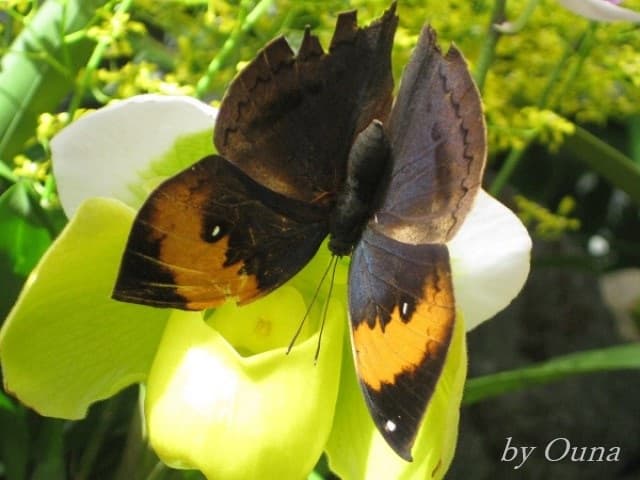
column 366, row 166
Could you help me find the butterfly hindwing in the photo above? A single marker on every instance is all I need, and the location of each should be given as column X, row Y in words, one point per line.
column 402, row 312
column 212, row 233
column 288, row 120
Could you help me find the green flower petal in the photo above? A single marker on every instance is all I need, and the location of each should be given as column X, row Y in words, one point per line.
column 261, row 326
column 308, row 280
column 126, row 149
column 356, row 450
column 263, row 416
column 252, row 330
column 66, row 344
column 490, row 260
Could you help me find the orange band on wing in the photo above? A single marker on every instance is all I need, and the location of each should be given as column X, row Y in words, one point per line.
column 404, row 345
column 221, row 284
column 198, row 267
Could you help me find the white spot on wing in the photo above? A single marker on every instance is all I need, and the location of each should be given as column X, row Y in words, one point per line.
column 390, row 426
column 405, row 308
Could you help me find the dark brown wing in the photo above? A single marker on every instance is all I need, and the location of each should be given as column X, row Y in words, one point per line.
column 211, row 233
column 288, row 121
column 402, row 311
column 401, row 298
column 438, row 143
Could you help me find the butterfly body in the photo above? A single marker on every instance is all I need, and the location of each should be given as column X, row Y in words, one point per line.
column 367, row 164
column 309, row 146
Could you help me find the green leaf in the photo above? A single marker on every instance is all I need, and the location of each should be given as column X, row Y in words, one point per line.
column 6, row 173
column 39, row 69
column 6, row 403
column 614, row 358
column 14, row 443
column 23, row 239
column 634, row 138
column 607, row 161
column 49, row 450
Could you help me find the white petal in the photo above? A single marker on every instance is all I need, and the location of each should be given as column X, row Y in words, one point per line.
column 600, row 10
column 621, row 292
column 490, row 258
column 109, row 152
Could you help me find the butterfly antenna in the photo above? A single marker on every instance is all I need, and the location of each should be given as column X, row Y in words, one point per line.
column 313, row 300
column 334, row 258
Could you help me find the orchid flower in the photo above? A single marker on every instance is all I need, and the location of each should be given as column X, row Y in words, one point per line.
column 221, row 394
column 601, row 10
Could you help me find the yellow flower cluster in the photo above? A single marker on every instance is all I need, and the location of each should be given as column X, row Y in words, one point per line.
column 547, row 224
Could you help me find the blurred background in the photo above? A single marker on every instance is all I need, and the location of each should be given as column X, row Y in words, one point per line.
column 562, row 103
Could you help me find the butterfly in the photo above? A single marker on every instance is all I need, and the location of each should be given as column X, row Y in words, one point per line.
column 313, row 144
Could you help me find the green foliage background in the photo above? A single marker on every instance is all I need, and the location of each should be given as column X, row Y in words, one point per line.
column 562, row 101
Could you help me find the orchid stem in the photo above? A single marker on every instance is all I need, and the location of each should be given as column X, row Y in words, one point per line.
column 489, row 47
column 509, row 28
column 7, row 173
column 138, row 460
column 97, row 439
column 507, row 169
column 230, row 45
column 158, row 472
column 581, row 46
column 92, row 65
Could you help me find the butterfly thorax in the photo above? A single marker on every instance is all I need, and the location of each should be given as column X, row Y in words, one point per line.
column 366, row 167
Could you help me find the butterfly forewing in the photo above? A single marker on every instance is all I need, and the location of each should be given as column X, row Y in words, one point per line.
column 437, row 136
column 212, row 233
column 289, row 121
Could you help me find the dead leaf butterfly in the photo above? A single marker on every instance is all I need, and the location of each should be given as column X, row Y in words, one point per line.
column 311, row 144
